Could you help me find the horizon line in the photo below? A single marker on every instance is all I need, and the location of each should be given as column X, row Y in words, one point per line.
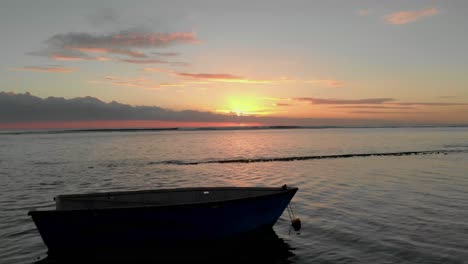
column 226, row 128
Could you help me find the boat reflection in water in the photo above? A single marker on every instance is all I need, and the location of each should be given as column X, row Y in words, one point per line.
column 260, row 247
column 223, row 222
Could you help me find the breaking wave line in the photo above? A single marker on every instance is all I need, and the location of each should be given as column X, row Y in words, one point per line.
column 316, row 157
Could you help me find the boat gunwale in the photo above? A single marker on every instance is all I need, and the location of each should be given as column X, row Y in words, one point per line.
column 280, row 190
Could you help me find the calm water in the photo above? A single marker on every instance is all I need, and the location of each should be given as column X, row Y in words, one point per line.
column 392, row 209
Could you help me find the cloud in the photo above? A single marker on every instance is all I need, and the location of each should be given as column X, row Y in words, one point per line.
column 344, row 101
column 220, row 77
column 327, row 82
column 233, row 78
column 211, row 77
column 136, row 57
column 29, row 108
column 45, row 69
column 135, row 60
column 127, row 52
column 364, row 12
column 281, row 104
column 165, row 54
column 277, row 98
column 136, row 82
column 146, row 61
column 171, row 85
column 67, row 58
column 18, row 110
column 389, row 103
column 133, row 84
column 373, row 107
column 384, row 112
column 404, row 17
column 429, row 104
column 178, row 63
column 158, row 70
column 99, row 58
column 121, row 40
column 75, row 46
column 79, row 58
column 216, row 76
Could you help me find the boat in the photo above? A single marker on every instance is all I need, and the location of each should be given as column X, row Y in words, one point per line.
column 168, row 217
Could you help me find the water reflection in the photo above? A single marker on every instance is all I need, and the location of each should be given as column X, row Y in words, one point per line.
column 263, row 247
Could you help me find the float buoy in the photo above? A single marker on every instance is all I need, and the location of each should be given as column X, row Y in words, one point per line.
column 296, row 224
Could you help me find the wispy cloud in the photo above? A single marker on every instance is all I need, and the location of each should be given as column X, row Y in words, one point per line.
column 122, row 46
column 157, row 70
column 210, row 77
column 85, row 57
column 79, row 58
column 67, row 58
column 372, row 103
column 277, row 98
column 56, row 69
column 234, row 78
column 404, row 17
column 327, row 82
column 282, row 104
column 121, row 40
column 100, row 58
column 429, row 103
column 251, row 113
column 364, row 12
column 140, row 82
column 314, row 100
column 372, row 107
column 171, row 85
column 127, row 52
column 165, row 54
column 391, row 113
column 220, row 77
column 178, row 63
column 144, row 61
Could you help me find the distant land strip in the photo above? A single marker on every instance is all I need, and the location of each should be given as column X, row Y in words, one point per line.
column 297, row 158
column 104, row 130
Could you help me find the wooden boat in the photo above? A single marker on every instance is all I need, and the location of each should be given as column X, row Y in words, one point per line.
column 166, row 216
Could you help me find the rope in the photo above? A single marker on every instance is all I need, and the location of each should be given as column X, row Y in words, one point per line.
column 295, row 222
column 291, row 216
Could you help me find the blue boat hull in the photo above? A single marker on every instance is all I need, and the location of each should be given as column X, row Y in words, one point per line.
column 165, row 225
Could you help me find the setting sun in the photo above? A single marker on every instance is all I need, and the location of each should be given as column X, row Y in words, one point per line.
column 244, row 106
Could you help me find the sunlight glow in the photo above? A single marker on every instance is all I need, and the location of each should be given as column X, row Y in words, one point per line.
column 244, row 106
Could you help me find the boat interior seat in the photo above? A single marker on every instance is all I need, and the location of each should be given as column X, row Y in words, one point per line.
column 155, row 198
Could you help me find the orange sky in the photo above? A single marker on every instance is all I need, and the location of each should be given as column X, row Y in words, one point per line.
column 117, row 124
column 387, row 62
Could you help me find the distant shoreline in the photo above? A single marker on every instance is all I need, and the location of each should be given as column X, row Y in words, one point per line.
column 100, row 130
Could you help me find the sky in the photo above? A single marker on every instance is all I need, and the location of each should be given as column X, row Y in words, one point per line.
column 221, row 63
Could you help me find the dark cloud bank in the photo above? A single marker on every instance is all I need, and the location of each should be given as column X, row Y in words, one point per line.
column 28, row 108
column 21, row 108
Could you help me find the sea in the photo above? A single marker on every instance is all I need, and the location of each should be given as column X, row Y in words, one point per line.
column 366, row 195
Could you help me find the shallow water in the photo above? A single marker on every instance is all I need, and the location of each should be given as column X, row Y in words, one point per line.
column 370, row 209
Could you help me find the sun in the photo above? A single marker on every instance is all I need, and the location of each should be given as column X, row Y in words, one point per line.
column 238, row 112
column 245, row 106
